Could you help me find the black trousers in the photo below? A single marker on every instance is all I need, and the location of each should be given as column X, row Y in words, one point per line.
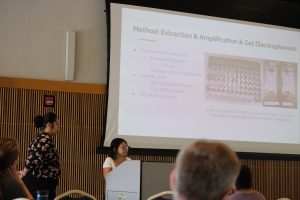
column 34, row 184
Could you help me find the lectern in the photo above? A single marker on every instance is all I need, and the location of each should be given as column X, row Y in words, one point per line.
column 124, row 182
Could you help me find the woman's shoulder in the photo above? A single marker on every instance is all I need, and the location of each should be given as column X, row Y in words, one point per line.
column 259, row 194
column 7, row 180
column 41, row 135
column 108, row 163
column 10, row 185
column 243, row 195
column 43, row 138
column 108, row 159
column 45, row 135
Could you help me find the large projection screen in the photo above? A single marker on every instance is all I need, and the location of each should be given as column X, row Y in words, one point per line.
column 177, row 77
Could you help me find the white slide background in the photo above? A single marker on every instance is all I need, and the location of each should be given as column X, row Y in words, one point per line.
column 158, row 76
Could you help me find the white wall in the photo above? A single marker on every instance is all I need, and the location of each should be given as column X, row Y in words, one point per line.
column 32, row 39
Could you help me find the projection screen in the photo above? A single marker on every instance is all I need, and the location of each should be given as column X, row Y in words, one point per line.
column 178, row 77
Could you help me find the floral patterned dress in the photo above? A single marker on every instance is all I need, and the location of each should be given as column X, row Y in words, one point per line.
column 43, row 159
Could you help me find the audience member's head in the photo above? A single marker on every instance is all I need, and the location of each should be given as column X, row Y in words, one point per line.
column 118, row 146
column 9, row 152
column 244, row 180
column 11, row 186
column 204, row 171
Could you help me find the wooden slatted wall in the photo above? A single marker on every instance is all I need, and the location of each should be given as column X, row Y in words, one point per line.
column 81, row 114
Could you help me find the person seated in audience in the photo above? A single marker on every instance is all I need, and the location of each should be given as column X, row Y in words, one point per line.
column 11, row 185
column 244, row 190
column 118, row 154
column 204, row 171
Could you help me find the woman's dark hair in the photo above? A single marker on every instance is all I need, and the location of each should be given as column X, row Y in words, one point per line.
column 244, row 180
column 41, row 121
column 9, row 152
column 114, row 145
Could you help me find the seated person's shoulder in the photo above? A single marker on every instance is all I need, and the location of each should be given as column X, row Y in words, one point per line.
column 11, row 188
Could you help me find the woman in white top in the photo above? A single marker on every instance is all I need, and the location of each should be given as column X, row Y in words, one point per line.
column 118, row 154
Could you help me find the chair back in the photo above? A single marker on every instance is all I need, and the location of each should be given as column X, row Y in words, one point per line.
column 68, row 195
column 21, row 198
column 161, row 195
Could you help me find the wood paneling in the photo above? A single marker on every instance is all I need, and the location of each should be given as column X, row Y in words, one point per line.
column 52, row 85
column 82, row 115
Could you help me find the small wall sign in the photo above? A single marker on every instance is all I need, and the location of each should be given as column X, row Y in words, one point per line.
column 49, row 100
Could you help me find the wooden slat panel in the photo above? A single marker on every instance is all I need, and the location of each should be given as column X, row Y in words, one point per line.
column 52, row 85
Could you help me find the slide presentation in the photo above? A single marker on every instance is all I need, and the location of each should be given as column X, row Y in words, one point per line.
column 177, row 77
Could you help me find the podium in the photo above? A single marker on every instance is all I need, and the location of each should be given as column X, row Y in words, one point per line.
column 136, row 180
column 124, row 182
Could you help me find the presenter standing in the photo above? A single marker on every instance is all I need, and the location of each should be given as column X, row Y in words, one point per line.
column 42, row 167
column 118, row 154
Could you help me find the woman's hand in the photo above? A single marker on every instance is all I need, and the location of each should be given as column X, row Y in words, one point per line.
column 23, row 172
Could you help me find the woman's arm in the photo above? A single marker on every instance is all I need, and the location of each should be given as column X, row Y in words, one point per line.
column 16, row 175
column 107, row 166
column 27, row 193
column 106, row 171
